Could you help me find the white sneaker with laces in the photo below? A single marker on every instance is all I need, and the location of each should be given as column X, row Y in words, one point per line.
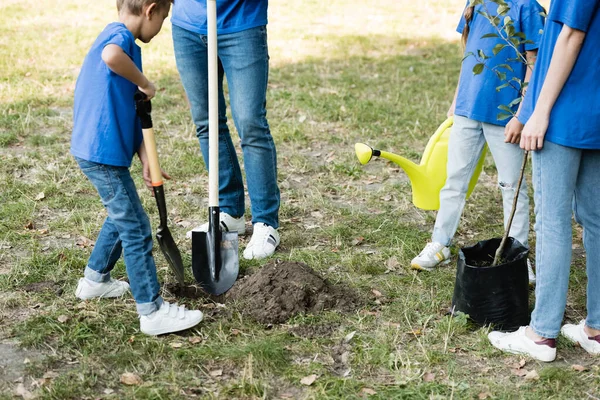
column 530, row 273
column 576, row 334
column 228, row 224
column 432, row 255
column 263, row 243
column 169, row 318
column 87, row 289
column 518, row 343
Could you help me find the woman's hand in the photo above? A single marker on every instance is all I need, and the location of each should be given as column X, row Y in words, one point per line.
column 534, row 132
column 512, row 132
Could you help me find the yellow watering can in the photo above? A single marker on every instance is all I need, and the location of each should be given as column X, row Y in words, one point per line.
column 427, row 178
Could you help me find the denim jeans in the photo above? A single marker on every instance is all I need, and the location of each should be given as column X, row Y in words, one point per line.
column 565, row 180
column 244, row 61
column 466, row 142
column 126, row 229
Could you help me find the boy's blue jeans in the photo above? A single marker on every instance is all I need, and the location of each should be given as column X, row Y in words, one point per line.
column 126, row 229
column 244, row 60
column 565, row 180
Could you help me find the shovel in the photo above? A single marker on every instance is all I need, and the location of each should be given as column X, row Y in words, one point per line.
column 163, row 235
column 215, row 261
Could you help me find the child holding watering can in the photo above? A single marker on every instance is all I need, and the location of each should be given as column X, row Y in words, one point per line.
column 562, row 115
column 475, row 110
column 106, row 135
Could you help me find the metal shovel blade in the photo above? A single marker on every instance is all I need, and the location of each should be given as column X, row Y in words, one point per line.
column 171, row 253
column 165, row 239
column 215, row 261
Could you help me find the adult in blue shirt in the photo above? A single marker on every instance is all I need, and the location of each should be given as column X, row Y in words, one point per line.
column 562, row 115
column 244, row 61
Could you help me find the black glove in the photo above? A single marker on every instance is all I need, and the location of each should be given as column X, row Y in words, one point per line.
column 143, row 108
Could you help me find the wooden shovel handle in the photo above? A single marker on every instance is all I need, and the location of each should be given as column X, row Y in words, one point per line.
column 150, row 145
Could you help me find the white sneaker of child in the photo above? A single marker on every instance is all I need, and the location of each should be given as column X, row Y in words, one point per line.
column 431, row 256
column 87, row 289
column 263, row 243
column 228, row 224
column 169, row 318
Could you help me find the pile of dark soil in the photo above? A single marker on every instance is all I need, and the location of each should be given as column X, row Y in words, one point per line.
column 280, row 290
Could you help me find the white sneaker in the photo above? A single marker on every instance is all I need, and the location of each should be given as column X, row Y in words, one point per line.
column 87, row 289
column 263, row 243
column 169, row 318
column 576, row 334
column 530, row 273
column 228, row 224
column 518, row 343
column 432, row 255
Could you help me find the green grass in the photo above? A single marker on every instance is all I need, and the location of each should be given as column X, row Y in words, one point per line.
column 341, row 72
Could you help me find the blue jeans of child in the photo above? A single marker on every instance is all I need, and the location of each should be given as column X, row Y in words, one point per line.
column 127, row 230
column 466, row 142
column 244, row 61
column 565, row 180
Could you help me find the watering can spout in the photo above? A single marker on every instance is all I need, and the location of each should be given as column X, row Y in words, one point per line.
column 365, row 153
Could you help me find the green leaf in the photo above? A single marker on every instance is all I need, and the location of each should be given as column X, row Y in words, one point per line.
column 501, row 75
column 506, row 66
column 498, row 48
column 482, row 54
column 503, row 116
column 489, row 35
column 478, row 69
column 515, row 101
column 503, row 10
column 505, row 108
column 504, row 85
column 467, row 55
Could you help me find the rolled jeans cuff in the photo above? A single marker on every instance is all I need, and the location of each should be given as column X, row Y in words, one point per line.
column 96, row 276
column 149, row 308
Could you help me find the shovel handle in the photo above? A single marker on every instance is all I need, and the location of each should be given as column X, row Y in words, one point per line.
column 143, row 108
column 213, row 105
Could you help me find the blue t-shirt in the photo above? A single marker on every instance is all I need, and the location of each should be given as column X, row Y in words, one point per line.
column 232, row 15
column 106, row 129
column 477, row 97
column 575, row 117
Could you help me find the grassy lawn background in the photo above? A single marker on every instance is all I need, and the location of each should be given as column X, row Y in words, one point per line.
column 342, row 71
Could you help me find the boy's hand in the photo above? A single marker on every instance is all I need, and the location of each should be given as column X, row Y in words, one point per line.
column 512, row 132
column 146, row 172
column 149, row 90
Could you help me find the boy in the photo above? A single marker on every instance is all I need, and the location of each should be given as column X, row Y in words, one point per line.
column 106, row 134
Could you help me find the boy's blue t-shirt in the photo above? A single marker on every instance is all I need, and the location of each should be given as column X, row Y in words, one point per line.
column 232, row 15
column 477, row 97
column 106, row 129
column 575, row 117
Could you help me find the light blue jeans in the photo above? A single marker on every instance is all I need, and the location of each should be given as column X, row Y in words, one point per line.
column 126, row 230
column 466, row 142
column 244, row 61
column 565, row 180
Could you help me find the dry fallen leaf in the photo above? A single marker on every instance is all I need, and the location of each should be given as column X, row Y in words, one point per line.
column 428, row 377
column 216, row 372
column 522, row 363
column 358, row 241
column 50, row 375
column 235, row 332
column 579, row 368
column 108, row 391
column 520, row 372
column 308, row 380
column 349, row 336
column 376, row 292
column 484, row 395
column 40, row 196
column 22, row 392
column 367, row 392
column 176, row 345
column 131, row 379
column 532, row 375
column 195, row 339
column 62, row 319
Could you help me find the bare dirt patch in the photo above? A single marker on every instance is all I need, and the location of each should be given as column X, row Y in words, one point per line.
column 281, row 290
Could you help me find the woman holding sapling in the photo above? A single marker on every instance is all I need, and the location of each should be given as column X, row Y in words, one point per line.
column 562, row 115
column 476, row 118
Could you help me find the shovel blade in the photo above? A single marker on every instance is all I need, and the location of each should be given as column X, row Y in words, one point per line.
column 171, row 253
column 215, row 261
